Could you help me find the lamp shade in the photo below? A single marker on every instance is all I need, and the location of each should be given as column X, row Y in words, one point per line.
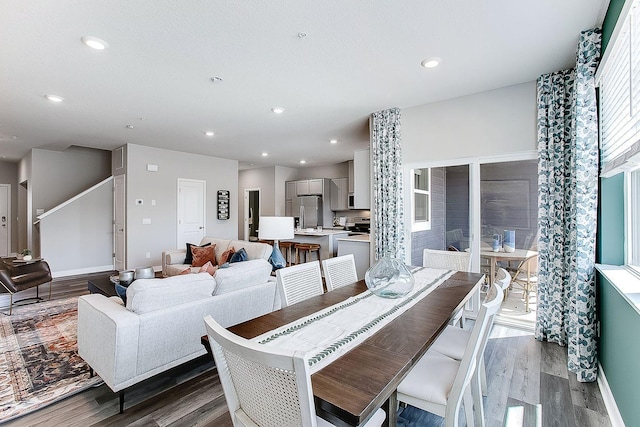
column 275, row 227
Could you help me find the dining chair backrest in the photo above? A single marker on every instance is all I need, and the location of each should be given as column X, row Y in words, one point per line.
column 299, row 282
column 339, row 271
column 263, row 385
column 448, row 260
column 475, row 348
column 503, row 279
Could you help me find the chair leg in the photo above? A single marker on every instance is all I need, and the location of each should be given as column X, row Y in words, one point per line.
column 121, row 395
column 467, row 401
column 50, row 289
column 476, row 395
column 482, row 371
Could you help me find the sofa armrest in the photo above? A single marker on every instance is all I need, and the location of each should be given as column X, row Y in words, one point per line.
column 175, row 256
column 108, row 338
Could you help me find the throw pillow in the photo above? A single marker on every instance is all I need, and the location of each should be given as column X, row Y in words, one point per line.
column 209, row 268
column 122, row 292
column 188, row 259
column 203, row 254
column 226, row 255
column 185, row 271
column 239, row 256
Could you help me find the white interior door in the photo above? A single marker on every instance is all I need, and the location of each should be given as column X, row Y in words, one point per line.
column 5, row 223
column 191, row 211
column 252, row 203
column 119, row 223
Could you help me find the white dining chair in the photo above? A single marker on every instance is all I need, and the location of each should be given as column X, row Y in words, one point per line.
column 503, row 279
column 339, row 271
column 449, row 260
column 527, row 277
column 299, row 282
column 440, row 384
column 266, row 386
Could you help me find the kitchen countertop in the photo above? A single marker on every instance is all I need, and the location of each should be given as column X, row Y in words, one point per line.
column 365, row 238
column 324, row 232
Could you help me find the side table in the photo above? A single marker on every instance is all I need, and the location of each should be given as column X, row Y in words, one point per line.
column 102, row 285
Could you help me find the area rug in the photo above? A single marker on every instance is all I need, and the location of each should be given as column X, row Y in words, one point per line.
column 39, row 362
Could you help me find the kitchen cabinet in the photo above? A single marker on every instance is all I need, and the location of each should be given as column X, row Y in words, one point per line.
column 310, row 187
column 361, row 179
column 288, row 207
column 339, row 194
column 290, row 190
column 350, row 163
column 358, row 246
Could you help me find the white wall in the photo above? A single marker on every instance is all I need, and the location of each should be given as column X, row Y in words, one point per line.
column 484, row 124
column 338, row 170
column 161, row 186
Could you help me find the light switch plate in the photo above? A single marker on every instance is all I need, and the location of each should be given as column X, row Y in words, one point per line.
column 146, row 220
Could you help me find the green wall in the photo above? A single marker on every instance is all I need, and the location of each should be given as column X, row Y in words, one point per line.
column 619, row 345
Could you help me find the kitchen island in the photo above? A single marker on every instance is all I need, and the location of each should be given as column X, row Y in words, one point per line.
column 327, row 239
column 358, row 245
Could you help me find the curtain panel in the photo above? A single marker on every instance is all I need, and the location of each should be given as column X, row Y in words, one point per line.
column 567, row 202
column 388, row 201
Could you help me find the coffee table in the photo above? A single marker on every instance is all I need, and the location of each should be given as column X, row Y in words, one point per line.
column 102, row 285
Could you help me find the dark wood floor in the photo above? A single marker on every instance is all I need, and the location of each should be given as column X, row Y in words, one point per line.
column 528, row 385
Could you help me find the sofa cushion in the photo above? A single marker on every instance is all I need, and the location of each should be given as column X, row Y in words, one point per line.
column 255, row 250
column 239, row 256
column 242, row 275
column 147, row 295
column 203, row 255
column 226, row 255
column 188, row 258
column 208, row 268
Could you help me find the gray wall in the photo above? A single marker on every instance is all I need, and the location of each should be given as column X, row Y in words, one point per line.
column 9, row 175
column 53, row 177
column 161, row 186
column 78, row 237
column 265, row 180
column 458, row 199
column 433, row 238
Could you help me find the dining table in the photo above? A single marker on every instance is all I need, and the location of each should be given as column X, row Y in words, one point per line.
column 493, row 257
column 349, row 388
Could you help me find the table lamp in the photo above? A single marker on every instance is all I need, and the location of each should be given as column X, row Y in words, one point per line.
column 276, row 228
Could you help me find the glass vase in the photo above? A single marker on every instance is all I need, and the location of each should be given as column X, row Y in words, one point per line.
column 389, row 278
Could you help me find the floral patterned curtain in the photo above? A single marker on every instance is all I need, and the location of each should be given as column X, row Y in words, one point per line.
column 567, row 203
column 388, row 201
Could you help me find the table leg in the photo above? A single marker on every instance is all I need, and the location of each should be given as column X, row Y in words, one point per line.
column 391, row 408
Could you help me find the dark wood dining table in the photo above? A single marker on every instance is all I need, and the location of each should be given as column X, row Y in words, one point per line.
column 351, row 388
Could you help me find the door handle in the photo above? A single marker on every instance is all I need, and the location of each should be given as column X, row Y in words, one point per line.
column 201, row 227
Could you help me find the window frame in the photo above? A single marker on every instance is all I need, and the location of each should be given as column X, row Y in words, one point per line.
column 420, row 225
column 632, row 220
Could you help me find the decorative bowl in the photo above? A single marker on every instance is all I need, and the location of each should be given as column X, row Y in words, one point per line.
column 126, row 277
column 144, row 273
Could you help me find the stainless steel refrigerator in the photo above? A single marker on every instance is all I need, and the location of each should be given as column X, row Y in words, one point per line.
column 308, row 209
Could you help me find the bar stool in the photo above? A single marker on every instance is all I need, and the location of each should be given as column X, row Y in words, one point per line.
column 287, row 251
column 307, row 249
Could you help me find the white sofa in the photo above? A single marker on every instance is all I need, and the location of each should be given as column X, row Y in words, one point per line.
column 173, row 260
column 161, row 325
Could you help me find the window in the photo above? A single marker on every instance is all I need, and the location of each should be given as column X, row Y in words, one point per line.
column 421, row 199
column 632, row 219
column 618, row 78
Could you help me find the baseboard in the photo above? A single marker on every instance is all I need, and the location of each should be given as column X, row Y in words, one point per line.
column 609, row 400
column 88, row 270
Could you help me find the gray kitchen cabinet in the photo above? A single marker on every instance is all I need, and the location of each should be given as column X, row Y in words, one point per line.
column 339, row 194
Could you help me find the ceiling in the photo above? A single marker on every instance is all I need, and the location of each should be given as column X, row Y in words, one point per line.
column 330, row 64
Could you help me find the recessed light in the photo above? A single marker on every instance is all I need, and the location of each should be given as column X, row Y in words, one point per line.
column 278, row 110
column 302, row 35
column 303, row 162
column 216, row 79
column 209, row 133
column 94, row 42
column 333, row 141
column 432, row 62
column 54, row 98
column 265, row 154
column 129, row 126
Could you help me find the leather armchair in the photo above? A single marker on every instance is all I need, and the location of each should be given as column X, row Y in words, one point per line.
column 19, row 277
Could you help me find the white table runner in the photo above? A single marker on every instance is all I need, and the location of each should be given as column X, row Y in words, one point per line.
column 327, row 334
